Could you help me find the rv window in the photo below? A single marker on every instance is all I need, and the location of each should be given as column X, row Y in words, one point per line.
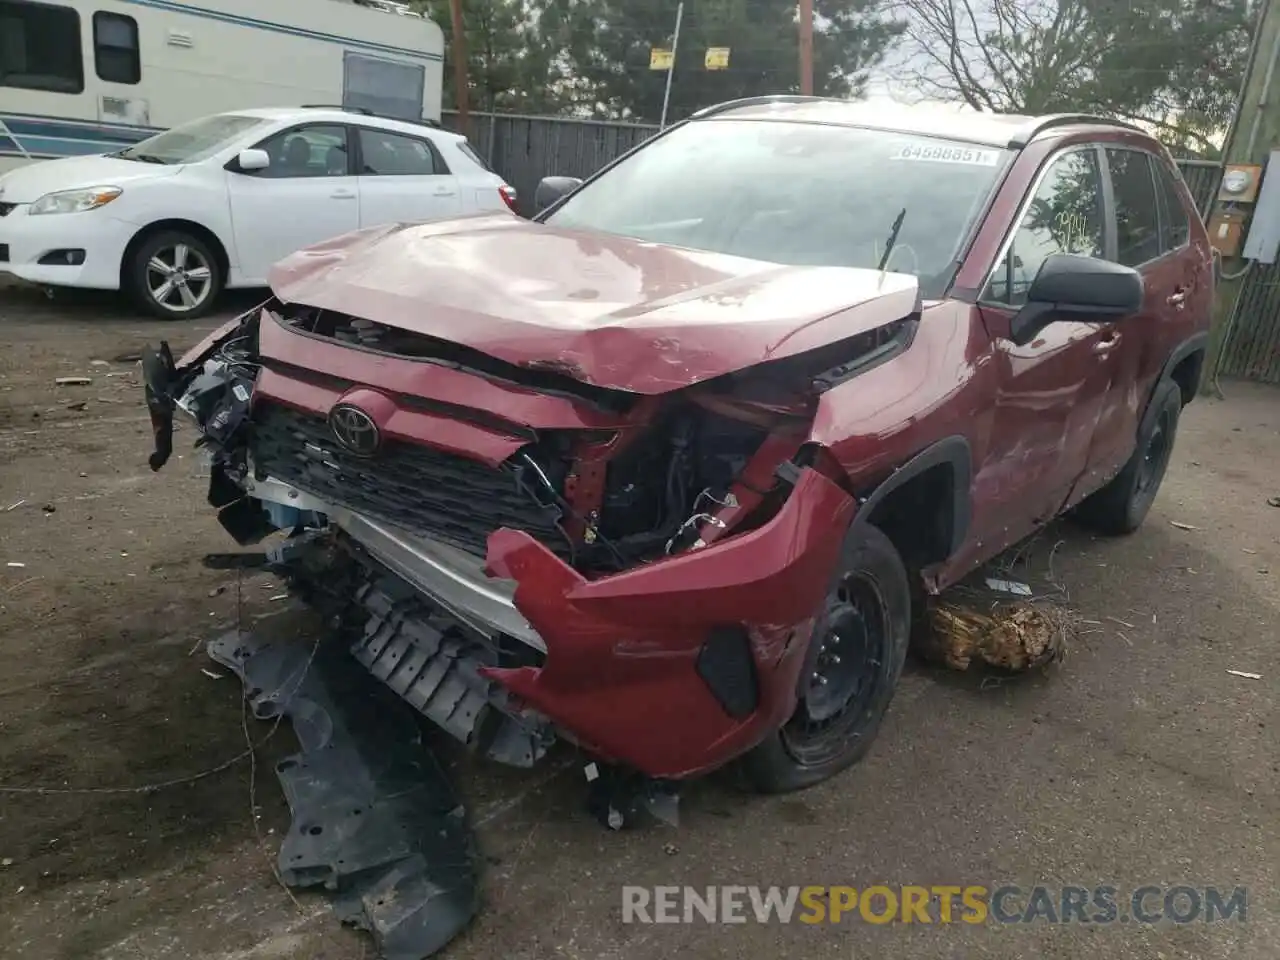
column 383, row 87
column 115, row 48
column 384, row 154
column 40, row 47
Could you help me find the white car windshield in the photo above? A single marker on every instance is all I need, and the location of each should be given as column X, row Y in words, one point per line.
column 798, row 194
column 192, row 142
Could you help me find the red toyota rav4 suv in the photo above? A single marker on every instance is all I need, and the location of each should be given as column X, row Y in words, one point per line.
column 659, row 470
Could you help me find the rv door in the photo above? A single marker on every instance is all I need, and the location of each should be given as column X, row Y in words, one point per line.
column 383, row 87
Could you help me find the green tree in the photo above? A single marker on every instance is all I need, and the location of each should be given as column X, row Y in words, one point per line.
column 607, row 44
column 509, row 63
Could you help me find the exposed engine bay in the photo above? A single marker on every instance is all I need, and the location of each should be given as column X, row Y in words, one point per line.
column 668, row 474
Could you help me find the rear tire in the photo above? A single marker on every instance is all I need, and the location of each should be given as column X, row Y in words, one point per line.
column 174, row 275
column 861, row 640
column 1122, row 505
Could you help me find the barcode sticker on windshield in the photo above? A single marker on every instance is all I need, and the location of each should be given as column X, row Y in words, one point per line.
column 941, row 154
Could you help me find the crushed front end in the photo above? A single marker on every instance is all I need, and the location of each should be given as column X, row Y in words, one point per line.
column 522, row 555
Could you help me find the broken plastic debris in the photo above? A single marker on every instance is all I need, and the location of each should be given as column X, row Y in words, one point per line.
column 1009, row 586
column 1247, row 676
column 210, row 674
column 1182, row 526
column 73, row 381
column 14, row 506
column 16, row 565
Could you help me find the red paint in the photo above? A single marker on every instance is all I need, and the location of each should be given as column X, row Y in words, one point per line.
column 610, row 311
column 1044, row 424
column 629, row 641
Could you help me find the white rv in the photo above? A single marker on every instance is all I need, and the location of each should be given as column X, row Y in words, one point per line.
column 91, row 76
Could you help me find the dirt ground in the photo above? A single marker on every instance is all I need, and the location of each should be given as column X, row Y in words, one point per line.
column 1138, row 760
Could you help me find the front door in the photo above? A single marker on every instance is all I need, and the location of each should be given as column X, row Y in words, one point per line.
column 1051, row 391
column 403, row 179
column 305, row 196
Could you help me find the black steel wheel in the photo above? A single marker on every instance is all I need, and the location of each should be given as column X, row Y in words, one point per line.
column 1122, row 505
column 855, row 658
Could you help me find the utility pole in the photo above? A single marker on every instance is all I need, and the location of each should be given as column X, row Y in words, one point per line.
column 1254, row 133
column 671, row 70
column 460, row 68
column 806, row 48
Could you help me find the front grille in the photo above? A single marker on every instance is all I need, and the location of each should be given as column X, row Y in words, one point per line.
column 7, row 208
column 441, row 495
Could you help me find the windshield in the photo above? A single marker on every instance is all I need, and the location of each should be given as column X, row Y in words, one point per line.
column 193, row 141
column 799, row 194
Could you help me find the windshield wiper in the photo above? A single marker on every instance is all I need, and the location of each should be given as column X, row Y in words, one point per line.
column 893, row 239
column 142, row 157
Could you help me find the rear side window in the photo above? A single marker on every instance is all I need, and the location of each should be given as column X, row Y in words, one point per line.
column 1175, row 225
column 1137, row 209
column 40, row 47
column 475, row 157
column 1064, row 216
column 115, row 48
column 384, row 154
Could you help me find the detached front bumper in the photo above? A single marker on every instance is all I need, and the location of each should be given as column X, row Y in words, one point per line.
column 672, row 668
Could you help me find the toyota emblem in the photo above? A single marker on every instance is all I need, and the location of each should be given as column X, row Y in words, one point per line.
column 354, row 430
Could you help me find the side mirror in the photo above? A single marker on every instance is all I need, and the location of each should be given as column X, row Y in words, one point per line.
column 249, row 160
column 551, row 190
column 1077, row 288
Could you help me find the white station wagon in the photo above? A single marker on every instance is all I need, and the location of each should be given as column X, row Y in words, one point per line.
column 212, row 204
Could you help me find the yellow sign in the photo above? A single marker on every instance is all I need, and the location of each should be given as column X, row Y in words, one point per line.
column 717, row 58
column 660, row 59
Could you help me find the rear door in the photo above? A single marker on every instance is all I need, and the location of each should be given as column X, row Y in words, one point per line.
column 1051, row 391
column 403, row 179
column 1139, row 242
column 306, row 195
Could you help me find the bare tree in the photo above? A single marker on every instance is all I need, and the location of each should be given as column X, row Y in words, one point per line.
column 1163, row 62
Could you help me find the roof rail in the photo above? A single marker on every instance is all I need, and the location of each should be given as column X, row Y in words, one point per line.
column 366, row 112
column 712, row 110
column 1040, row 124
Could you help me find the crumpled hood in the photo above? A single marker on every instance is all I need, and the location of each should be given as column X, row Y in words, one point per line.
column 29, row 183
column 609, row 311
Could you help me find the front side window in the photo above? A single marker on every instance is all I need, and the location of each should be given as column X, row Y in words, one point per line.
column 1137, row 212
column 1064, row 216
column 40, row 47
column 384, row 154
column 115, row 48
column 318, row 150
column 193, row 141
column 797, row 194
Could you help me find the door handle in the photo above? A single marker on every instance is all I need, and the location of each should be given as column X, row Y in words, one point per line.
column 1177, row 299
column 1107, row 344
column 343, row 195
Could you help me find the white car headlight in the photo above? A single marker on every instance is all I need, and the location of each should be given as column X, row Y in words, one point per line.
column 74, row 201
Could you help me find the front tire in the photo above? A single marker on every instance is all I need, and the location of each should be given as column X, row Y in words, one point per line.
column 174, row 275
column 861, row 640
column 1122, row 505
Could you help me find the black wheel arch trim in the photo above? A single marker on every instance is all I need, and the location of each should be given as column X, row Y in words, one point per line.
column 953, row 451
column 1195, row 342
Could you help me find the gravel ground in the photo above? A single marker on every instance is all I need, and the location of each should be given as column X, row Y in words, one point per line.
column 1138, row 760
